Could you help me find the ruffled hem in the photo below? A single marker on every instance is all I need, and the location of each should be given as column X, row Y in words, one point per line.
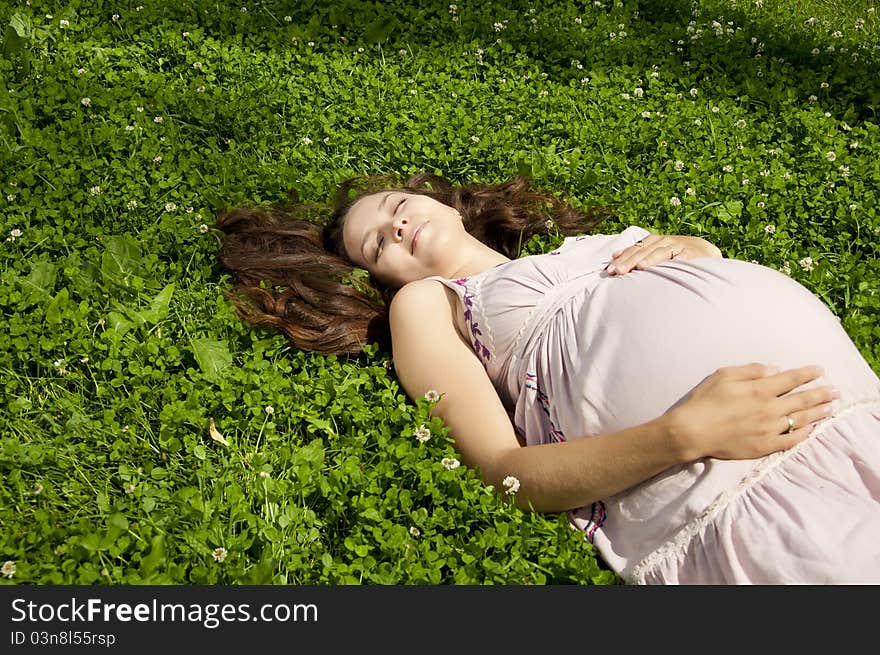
column 719, row 545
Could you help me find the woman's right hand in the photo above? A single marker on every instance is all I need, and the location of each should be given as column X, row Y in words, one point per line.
column 739, row 412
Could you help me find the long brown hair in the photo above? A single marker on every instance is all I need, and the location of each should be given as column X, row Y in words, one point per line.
column 293, row 275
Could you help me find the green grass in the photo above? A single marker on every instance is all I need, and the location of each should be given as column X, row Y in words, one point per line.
column 117, row 349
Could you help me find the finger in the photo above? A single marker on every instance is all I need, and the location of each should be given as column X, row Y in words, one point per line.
column 788, row 440
column 627, row 255
column 786, row 381
column 751, row 371
column 658, row 256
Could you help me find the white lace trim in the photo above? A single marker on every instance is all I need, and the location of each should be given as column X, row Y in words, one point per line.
column 682, row 539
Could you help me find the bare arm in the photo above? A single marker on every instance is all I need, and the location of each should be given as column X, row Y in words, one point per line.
column 731, row 414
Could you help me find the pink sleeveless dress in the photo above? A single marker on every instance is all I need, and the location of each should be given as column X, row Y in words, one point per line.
column 574, row 352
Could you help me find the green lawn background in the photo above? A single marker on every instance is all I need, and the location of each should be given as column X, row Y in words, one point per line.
column 148, row 436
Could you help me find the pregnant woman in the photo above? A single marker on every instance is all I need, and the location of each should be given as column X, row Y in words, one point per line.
column 701, row 419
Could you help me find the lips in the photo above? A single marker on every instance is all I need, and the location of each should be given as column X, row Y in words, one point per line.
column 415, row 236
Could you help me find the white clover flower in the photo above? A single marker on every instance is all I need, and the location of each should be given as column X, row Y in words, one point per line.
column 727, row 168
column 422, row 433
column 843, row 171
column 203, row 228
column 475, row 139
column 219, row 554
column 129, row 128
column 129, row 488
column 185, row 35
column 80, row 71
column 764, row 173
column 64, row 23
column 86, row 102
column 402, row 51
column 689, row 191
column 698, row 122
column 158, row 159
column 511, row 485
column 786, row 268
column 770, row 229
column 38, row 489
column 10, row 197
column 814, row 51
column 306, row 141
column 264, row 474
column 715, row 110
column 14, row 233
column 114, row 17
column 414, row 531
column 807, row 264
column 450, row 463
column 760, row 205
column 675, row 201
column 854, row 145
column 679, row 165
column 95, row 191
column 140, row 109
column 197, row 65
column 131, row 204
column 694, row 93
column 158, row 119
column 170, row 207
column 200, row 89
column 543, row 93
column 830, row 156
column 499, row 26
column 853, row 207
column 311, row 43
column 189, row 210
column 8, row 568
column 270, row 409
column 740, row 123
column 288, row 19
column 745, row 181
column 645, row 114
column 639, row 92
column 432, row 396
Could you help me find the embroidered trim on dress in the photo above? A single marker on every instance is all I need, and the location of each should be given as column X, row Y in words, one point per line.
column 596, row 520
column 555, row 434
column 468, row 300
column 682, row 539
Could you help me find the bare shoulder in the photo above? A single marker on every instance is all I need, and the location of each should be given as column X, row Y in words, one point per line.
column 418, row 293
column 430, row 354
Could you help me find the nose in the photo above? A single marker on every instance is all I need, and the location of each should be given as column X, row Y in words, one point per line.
column 398, row 225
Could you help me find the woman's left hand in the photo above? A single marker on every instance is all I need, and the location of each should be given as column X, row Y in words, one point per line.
column 656, row 248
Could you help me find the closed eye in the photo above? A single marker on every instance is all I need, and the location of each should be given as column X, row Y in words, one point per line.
column 379, row 247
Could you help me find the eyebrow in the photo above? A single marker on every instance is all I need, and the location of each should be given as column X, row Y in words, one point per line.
column 364, row 242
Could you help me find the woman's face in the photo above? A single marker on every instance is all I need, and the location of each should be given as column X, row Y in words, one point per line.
column 400, row 237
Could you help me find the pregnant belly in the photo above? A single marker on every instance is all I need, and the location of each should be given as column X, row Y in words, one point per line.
column 649, row 337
